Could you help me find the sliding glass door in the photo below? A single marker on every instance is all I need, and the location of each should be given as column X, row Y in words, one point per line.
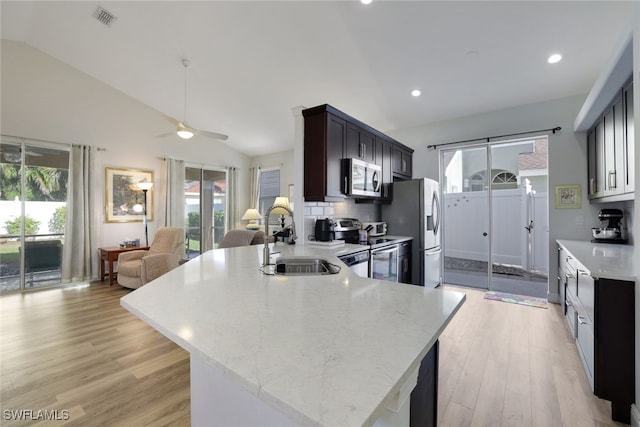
column 205, row 207
column 495, row 216
column 465, row 217
column 33, row 192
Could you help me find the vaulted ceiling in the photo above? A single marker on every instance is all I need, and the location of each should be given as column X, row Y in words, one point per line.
column 252, row 62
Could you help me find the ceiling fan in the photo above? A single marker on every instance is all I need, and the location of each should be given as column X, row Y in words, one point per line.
column 183, row 130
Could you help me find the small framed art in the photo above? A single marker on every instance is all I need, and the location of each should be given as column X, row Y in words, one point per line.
column 568, row 196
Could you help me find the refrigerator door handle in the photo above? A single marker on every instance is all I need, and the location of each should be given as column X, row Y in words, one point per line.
column 436, row 212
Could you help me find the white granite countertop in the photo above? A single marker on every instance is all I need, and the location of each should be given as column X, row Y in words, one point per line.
column 326, row 350
column 603, row 260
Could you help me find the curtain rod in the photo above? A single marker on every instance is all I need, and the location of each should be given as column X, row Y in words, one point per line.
column 489, row 138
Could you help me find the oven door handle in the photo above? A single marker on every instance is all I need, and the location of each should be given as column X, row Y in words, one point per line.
column 384, row 251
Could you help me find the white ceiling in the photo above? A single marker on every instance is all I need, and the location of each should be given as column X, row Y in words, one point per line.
column 252, row 62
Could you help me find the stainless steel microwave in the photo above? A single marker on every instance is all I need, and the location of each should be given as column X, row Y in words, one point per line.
column 362, row 179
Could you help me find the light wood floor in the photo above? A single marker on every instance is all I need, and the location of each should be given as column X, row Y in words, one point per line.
column 77, row 349
column 505, row 364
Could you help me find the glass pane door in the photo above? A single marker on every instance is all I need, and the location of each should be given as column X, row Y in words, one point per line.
column 33, row 192
column 465, row 216
column 495, row 217
column 205, row 207
column 519, row 249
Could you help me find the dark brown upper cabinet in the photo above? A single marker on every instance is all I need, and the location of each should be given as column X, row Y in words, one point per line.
column 330, row 136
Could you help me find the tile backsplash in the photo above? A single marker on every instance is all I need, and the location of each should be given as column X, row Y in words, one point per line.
column 346, row 209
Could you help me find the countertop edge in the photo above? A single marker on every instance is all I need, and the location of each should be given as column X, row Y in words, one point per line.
column 586, row 252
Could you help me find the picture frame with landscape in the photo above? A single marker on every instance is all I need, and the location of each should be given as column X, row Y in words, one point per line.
column 124, row 200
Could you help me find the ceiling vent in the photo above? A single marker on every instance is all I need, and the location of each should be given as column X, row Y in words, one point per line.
column 104, row 16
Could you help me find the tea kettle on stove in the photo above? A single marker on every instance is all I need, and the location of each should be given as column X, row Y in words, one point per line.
column 325, row 230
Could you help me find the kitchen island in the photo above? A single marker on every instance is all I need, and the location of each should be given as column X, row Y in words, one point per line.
column 329, row 350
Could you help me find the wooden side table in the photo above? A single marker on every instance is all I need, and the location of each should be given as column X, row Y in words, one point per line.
column 109, row 255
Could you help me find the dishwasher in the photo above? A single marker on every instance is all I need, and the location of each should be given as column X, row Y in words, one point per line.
column 357, row 262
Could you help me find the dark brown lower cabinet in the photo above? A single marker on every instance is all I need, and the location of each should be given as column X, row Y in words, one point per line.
column 424, row 397
column 614, row 332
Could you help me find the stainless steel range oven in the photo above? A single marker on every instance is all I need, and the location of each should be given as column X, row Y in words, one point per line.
column 384, row 262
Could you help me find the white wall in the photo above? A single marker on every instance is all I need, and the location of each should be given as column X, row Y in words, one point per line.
column 43, row 98
column 567, row 158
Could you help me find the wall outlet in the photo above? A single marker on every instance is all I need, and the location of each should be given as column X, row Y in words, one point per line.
column 579, row 220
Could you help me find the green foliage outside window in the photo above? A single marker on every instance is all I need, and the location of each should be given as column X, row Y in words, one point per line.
column 41, row 183
column 57, row 221
column 31, row 226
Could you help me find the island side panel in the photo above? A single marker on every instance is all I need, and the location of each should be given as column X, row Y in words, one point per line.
column 219, row 401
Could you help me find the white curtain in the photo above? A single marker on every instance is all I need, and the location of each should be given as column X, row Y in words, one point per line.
column 171, row 195
column 232, row 217
column 254, row 186
column 81, row 235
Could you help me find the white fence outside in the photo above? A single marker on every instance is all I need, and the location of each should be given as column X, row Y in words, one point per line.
column 40, row 211
column 466, row 218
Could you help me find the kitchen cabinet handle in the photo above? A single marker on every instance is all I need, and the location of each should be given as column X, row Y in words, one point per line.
column 612, row 174
column 364, row 149
column 582, row 320
column 345, row 185
column 404, row 165
column 592, row 186
column 583, row 273
column 568, row 303
column 569, row 257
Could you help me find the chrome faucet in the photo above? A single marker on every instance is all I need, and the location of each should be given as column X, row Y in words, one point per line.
column 266, row 255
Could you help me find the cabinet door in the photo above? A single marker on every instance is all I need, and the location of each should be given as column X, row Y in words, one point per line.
column 609, row 153
column 404, row 263
column 586, row 347
column 629, row 139
column 614, row 148
column 598, row 160
column 360, row 144
column 401, row 162
column 324, row 136
column 383, row 159
column 336, row 133
column 592, row 164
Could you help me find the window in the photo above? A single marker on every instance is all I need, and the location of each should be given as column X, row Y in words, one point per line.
column 476, row 183
column 504, row 180
column 269, row 190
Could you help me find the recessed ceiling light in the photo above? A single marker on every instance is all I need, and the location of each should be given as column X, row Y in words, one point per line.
column 365, row 1
column 556, row 57
column 416, row 92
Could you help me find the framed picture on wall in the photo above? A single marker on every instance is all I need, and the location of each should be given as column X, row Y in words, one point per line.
column 124, row 199
column 568, row 196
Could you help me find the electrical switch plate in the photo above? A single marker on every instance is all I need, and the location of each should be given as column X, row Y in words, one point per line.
column 579, row 220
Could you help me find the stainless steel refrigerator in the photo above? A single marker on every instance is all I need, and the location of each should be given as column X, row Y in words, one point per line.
column 415, row 212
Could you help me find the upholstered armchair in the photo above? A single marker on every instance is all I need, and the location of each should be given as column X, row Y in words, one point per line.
column 136, row 268
column 235, row 238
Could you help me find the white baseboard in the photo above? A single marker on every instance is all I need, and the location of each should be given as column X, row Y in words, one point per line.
column 635, row 416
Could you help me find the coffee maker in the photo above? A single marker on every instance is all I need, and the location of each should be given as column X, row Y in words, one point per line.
column 611, row 231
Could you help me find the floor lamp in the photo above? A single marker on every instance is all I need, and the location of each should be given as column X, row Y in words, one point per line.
column 145, row 186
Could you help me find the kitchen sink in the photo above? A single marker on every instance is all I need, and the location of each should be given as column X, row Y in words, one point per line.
column 304, row 266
